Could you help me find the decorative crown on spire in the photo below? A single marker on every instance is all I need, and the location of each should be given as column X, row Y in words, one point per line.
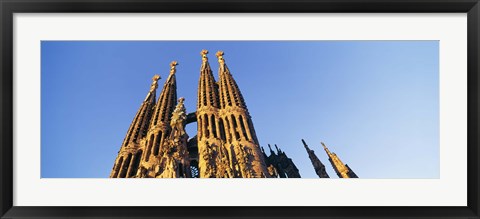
column 155, row 82
column 204, row 53
column 219, row 55
column 173, row 68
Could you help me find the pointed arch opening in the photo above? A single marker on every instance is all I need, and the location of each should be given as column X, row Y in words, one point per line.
column 221, row 128
column 205, row 127
column 117, row 167
column 158, row 140
column 242, row 125
column 149, row 147
column 214, row 126
column 227, row 129
column 125, row 166
column 135, row 164
column 235, row 127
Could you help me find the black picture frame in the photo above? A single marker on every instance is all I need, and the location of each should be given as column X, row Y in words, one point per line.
column 9, row 7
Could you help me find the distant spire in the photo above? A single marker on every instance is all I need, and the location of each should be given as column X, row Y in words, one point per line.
column 317, row 164
column 305, row 145
column 271, row 151
column 278, row 150
column 325, row 148
column 341, row 169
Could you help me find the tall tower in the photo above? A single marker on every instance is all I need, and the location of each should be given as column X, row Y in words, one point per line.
column 342, row 170
column 159, row 126
column 317, row 164
column 247, row 160
column 214, row 158
column 130, row 153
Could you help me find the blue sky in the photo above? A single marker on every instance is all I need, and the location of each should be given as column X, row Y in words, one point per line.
column 374, row 103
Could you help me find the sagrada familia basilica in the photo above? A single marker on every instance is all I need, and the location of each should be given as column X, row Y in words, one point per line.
column 226, row 145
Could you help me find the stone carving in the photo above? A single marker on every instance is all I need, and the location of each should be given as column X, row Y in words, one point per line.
column 178, row 119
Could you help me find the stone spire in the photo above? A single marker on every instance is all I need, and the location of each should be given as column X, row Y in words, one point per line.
column 342, row 170
column 214, row 159
column 167, row 99
column 207, row 87
column 317, row 164
column 159, row 125
column 128, row 158
column 246, row 157
column 230, row 94
column 139, row 125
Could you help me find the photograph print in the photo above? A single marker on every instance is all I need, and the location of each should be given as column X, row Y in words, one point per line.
column 240, row 109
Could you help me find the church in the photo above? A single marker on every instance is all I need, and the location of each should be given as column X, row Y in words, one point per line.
column 226, row 146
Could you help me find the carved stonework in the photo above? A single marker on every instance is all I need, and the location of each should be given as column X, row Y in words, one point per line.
column 226, row 144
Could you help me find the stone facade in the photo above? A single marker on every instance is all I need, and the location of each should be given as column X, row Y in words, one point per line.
column 226, row 145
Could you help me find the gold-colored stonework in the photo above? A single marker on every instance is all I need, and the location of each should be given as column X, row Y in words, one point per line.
column 226, row 145
column 342, row 170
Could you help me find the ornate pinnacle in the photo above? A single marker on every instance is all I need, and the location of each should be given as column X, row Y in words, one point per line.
column 154, row 83
column 204, row 55
column 156, row 78
column 173, row 65
column 219, row 55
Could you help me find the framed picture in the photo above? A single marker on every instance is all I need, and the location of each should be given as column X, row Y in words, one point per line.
column 303, row 109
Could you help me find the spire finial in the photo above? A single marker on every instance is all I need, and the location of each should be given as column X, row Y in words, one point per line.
column 204, row 55
column 173, row 68
column 154, row 83
column 305, row 145
column 219, row 55
column 324, row 147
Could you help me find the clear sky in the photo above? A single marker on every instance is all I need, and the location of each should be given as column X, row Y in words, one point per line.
column 374, row 103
